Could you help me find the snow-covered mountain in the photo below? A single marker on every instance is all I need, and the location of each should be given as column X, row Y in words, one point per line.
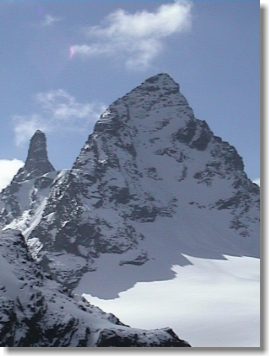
column 35, row 311
column 151, row 184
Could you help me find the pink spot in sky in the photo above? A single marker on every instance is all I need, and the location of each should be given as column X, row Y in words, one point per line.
column 71, row 52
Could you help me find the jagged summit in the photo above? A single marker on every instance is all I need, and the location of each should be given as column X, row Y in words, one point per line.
column 161, row 89
column 37, row 162
column 30, row 186
column 159, row 81
column 156, row 95
column 153, row 88
column 38, row 132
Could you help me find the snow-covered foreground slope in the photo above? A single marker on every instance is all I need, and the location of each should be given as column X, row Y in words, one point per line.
column 35, row 311
column 212, row 303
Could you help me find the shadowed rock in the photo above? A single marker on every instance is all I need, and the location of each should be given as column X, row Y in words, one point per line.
column 29, row 187
column 37, row 162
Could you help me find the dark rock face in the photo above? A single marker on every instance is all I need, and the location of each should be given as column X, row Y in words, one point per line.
column 35, row 311
column 195, row 134
column 37, row 162
column 109, row 338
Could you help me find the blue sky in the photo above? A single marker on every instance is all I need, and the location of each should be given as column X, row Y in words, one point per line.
column 63, row 61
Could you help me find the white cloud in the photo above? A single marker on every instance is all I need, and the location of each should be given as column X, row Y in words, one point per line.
column 59, row 110
column 135, row 38
column 257, row 181
column 64, row 106
column 26, row 126
column 50, row 20
column 8, row 168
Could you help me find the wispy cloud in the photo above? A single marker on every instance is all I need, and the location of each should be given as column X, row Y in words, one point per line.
column 25, row 126
column 50, row 20
column 59, row 110
column 136, row 38
column 64, row 106
column 8, row 169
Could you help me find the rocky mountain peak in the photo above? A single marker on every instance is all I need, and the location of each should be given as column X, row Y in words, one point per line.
column 148, row 108
column 161, row 81
column 153, row 90
column 29, row 188
column 150, row 175
column 37, row 162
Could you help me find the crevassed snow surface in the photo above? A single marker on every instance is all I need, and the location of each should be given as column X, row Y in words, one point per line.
column 212, row 303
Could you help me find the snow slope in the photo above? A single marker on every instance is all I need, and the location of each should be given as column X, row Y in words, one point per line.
column 212, row 303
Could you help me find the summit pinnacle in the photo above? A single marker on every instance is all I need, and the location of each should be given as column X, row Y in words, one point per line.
column 37, row 162
column 29, row 188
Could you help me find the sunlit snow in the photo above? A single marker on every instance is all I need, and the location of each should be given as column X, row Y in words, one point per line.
column 213, row 303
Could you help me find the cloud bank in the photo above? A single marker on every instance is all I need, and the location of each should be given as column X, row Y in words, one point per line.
column 8, row 168
column 138, row 38
column 59, row 112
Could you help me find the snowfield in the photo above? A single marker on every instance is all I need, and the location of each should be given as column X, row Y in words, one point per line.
column 212, row 303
